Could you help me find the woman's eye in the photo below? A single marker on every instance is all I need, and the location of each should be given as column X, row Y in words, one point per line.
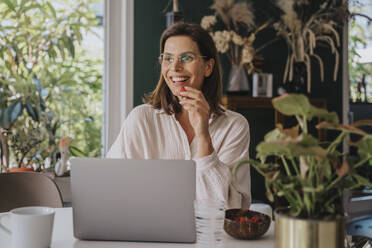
column 186, row 58
column 168, row 59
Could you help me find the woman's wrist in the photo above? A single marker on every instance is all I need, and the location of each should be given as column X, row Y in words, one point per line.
column 205, row 146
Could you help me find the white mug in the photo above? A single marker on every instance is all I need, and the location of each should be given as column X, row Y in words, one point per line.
column 30, row 227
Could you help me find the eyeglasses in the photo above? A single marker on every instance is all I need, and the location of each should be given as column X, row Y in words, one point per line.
column 185, row 58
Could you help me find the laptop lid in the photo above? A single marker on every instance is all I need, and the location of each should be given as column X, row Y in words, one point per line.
column 133, row 200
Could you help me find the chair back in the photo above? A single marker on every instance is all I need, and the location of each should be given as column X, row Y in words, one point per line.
column 20, row 189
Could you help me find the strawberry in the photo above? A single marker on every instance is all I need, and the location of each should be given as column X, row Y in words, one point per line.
column 183, row 89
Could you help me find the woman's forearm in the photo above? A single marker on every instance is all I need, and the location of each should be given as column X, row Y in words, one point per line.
column 205, row 146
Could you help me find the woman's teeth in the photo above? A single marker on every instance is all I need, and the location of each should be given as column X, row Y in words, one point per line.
column 179, row 79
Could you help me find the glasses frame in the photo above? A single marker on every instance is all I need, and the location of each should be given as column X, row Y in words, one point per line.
column 161, row 62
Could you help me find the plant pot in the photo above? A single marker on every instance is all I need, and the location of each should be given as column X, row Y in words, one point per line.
column 298, row 84
column 238, row 80
column 293, row 232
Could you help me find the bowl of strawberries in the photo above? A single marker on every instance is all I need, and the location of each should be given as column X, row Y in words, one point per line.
column 246, row 224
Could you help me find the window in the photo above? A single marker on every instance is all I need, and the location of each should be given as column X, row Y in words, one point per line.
column 360, row 51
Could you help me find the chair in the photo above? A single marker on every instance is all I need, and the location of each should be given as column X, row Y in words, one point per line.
column 21, row 189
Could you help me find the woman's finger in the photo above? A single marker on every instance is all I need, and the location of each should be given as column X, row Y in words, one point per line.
column 195, row 104
column 192, row 93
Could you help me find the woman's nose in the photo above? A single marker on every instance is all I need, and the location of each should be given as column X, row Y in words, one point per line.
column 176, row 65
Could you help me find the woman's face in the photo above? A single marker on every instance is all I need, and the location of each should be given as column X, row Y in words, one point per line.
column 183, row 65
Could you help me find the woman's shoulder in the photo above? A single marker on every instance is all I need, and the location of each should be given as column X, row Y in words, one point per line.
column 141, row 113
column 234, row 118
column 143, row 110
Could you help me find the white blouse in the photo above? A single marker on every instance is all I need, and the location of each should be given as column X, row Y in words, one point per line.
column 148, row 133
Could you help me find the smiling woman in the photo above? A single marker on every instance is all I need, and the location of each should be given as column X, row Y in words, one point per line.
column 183, row 118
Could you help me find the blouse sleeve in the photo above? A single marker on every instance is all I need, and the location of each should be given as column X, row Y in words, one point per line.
column 214, row 172
column 128, row 136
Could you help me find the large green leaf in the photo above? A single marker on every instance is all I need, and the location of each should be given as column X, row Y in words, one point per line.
column 274, row 135
column 13, row 111
column 32, row 111
column 292, row 104
column 330, row 117
column 365, row 147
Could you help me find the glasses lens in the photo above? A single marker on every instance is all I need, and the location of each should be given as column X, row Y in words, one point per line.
column 186, row 58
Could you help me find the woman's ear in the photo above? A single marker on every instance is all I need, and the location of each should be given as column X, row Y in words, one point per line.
column 209, row 65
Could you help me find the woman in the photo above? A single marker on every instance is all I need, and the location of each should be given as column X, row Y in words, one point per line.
column 183, row 118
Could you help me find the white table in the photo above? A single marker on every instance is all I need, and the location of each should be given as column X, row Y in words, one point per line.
column 63, row 238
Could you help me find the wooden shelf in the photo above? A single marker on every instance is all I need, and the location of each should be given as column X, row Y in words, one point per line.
column 235, row 102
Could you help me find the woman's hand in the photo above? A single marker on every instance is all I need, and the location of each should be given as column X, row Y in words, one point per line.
column 198, row 109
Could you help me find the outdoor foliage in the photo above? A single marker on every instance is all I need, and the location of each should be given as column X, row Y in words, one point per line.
column 48, row 87
column 310, row 175
column 358, row 38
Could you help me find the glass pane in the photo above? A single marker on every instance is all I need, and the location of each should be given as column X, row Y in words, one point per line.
column 51, row 59
column 360, row 51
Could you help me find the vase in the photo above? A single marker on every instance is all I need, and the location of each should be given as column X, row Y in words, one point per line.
column 238, row 80
column 299, row 79
column 308, row 233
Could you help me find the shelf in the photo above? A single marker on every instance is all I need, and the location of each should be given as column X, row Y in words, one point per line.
column 236, row 102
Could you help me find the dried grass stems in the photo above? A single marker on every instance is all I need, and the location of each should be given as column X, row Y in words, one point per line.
column 239, row 32
column 304, row 30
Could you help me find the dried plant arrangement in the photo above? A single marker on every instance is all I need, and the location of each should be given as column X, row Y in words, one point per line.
column 306, row 24
column 237, row 33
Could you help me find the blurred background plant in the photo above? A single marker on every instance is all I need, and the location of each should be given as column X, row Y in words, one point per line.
column 305, row 25
column 233, row 29
column 49, row 87
column 360, row 49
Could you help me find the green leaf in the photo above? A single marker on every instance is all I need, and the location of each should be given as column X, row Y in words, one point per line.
column 292, row 104
column 365, row 147
column 274, row 135
column 330, row 117
column 50, row 6
column 71, row 47
column 10, row 4
column 76, row 152
column 32, row 6
column 4, row 123
column 13, row 111
column 38, row 84
column 363, row 181
column 31, row 111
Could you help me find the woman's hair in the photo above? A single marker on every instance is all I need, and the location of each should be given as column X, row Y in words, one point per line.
column 162, row 97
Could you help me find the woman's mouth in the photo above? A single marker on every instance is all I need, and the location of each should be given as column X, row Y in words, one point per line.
column 179, row 80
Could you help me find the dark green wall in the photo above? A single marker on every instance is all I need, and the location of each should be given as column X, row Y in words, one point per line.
column 149, row 23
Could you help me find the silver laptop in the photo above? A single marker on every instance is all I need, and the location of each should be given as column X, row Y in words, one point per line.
column 133, row 200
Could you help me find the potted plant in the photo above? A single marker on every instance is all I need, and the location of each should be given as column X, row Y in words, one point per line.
column 306, row 26
column 311, row 176
column 233, row 29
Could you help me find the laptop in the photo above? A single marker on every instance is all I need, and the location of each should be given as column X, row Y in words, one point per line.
column 133, row 200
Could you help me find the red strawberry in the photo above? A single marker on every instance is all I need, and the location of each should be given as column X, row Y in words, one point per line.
column 183, row 89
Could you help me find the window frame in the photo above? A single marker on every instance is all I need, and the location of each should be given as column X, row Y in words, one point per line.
column 118, row 68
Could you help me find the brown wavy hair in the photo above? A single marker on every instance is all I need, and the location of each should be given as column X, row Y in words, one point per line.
column 162, row 97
